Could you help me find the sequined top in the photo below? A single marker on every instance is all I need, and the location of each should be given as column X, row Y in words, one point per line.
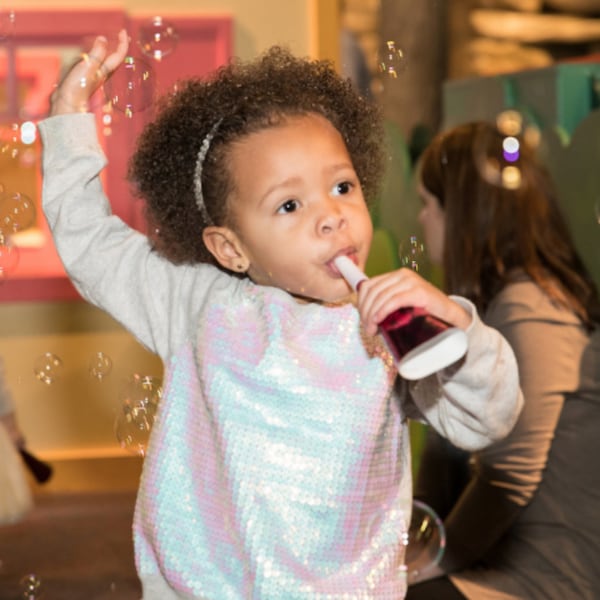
column 279, row 464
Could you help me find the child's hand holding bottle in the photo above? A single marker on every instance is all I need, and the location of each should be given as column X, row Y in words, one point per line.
column 85, row 77
column 421, row 325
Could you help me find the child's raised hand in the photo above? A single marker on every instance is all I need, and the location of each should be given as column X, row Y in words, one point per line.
column 85, row 77
column 383, row 294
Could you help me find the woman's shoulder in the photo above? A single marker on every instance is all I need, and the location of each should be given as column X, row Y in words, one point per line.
column 525, row 299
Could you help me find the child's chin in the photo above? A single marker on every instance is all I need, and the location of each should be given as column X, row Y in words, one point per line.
column 340, row 298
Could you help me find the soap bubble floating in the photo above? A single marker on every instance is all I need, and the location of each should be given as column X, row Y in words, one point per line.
column 17, row 212
column 157, row 38
column 412, row 253
column 139, row 401
column 425, row 540
column 391, row 61
column 130, row 89
column 32, row 588
column 48, row 368
column 100, row 366
column 10, row 141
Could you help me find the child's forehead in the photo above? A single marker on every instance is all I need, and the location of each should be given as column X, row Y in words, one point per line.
column 282, row 125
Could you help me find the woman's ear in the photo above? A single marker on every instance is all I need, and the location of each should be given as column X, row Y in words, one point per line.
column 226, row 247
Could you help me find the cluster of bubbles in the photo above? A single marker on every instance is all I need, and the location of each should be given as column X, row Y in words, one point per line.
column 139, row 398
column 131, row 88
column 48, row 367
column 391, row 60
column 412, row 253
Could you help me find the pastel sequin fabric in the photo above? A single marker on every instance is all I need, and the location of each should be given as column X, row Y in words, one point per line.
column 277, row 467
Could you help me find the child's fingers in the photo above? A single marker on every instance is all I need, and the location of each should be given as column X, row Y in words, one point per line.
column 107, row 63
column 87, row 75
column 113, row 60
column 391, row 291
column 379, row 296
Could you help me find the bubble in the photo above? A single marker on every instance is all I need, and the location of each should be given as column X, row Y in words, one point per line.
column 498, row 152
column 17, row 212
column 10, row 140
column 412, row 253
column 139, row 401
column 392, row 60
column 100, row 365
column 48, row 368
column 130, row 89
column 9, row 256
column 157, row 38
column 425, row 540
column 7, row 24
column 31, row 586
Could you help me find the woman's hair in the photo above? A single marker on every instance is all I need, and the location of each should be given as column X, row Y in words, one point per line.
column 239, row 99
column 494, row 229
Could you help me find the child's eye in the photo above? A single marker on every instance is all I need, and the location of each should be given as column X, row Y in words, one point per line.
column 345, row 187
column 288, row 206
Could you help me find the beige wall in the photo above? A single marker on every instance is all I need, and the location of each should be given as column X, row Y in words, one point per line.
column 73, row 417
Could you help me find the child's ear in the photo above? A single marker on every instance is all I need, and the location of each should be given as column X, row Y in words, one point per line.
column 226, row 247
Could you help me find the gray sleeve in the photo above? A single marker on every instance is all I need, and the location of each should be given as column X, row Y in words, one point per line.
column 112, row 265
column 477, row 400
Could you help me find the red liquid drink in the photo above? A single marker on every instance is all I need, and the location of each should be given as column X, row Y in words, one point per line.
column 420, row 343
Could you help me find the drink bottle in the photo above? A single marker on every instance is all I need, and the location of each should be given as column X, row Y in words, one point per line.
column 420, row 343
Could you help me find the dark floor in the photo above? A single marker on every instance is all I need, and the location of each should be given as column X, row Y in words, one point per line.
column 78, row 545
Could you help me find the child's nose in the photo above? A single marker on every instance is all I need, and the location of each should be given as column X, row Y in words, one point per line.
column 332, row 218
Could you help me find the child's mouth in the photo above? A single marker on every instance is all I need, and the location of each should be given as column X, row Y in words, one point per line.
column 349, row 252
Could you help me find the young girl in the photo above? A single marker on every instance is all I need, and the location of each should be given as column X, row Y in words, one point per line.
column 279, row 464
column 524, row 523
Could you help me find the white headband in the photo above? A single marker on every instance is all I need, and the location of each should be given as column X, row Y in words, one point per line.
column 198, row 173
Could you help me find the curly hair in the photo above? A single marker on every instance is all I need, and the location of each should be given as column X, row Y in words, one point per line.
column 243, row 98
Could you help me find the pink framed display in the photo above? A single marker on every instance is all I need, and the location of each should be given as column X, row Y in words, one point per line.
column 30, row 66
